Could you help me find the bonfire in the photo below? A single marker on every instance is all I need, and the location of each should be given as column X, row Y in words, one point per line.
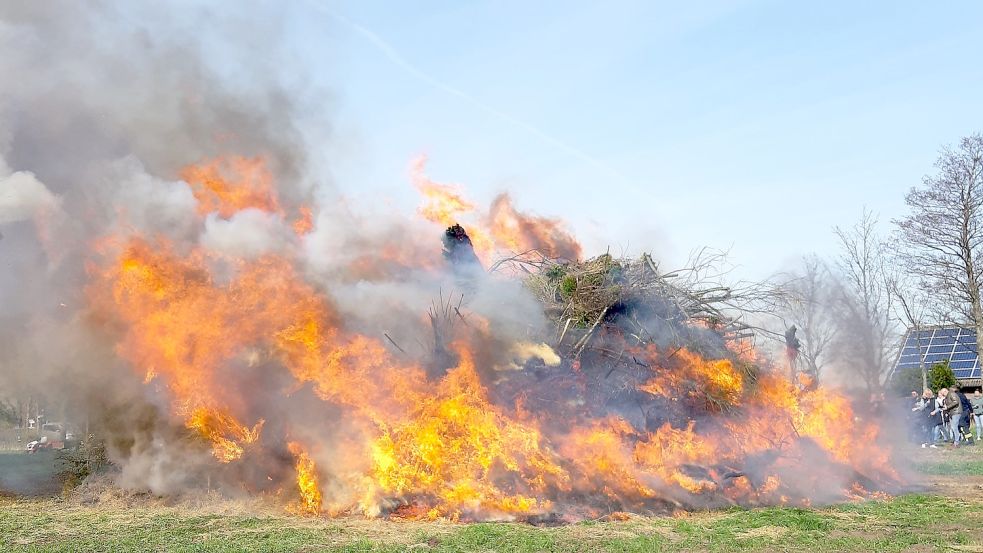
column 538, row 386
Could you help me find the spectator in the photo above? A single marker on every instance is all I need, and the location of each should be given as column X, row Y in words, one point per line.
column 960, row 424
column 951, row 408
column 913, row 419
column 938, row 420
column 923, row 420
column 977, row 402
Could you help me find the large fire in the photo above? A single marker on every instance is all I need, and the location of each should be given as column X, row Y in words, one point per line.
column 416, row 436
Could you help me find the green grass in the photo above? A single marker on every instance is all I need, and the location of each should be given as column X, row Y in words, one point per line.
column 951, row 468
column 948, row 461
column 922, row 522
column 890, row 525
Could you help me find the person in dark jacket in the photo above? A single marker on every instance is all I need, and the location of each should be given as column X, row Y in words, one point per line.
column 922, row 409
column 960, row 423
column 937, row 418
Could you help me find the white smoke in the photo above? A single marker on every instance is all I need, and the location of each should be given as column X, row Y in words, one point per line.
column 148, row 204
column 23, row 196
column 104, row 104
column 248, row 234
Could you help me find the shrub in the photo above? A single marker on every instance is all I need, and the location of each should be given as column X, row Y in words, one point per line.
column 568, row 286
column 941, row 376
column 555, row 272
column 77, row 464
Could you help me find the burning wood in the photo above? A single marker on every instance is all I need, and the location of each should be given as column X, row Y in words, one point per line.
column 642, row 397
column 236, row 324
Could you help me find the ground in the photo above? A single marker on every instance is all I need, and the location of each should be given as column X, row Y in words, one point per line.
column 946, row 516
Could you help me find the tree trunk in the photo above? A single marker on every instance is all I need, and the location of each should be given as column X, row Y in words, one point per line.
column 972, row 284
column 921, row 358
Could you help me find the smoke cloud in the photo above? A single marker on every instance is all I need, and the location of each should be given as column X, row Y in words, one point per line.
column 111, row 101
column 24, row 197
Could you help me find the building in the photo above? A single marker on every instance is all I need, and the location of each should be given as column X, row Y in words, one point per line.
column 931, row 345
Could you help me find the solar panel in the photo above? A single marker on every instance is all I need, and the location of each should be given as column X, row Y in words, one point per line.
column 955, row 344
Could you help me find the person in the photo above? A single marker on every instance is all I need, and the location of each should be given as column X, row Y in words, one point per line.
column 913, row 419
column 922, row 418
column 952, row 411
column 960, row 422
column 937, row 414
column 977, row 402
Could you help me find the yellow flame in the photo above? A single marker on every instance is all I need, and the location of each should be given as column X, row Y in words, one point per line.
column 307, row 482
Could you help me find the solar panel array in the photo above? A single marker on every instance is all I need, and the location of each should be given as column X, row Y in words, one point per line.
column 958, row 345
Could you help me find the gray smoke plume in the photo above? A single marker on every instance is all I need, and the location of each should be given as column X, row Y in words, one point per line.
column 111, row 101
column 104, row 103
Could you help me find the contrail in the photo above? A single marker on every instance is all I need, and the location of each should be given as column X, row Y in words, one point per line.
column 407, row 66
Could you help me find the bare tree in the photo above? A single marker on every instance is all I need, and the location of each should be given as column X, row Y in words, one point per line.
column 911, row 304
column 867, row 336
column 811, row 295
column 944, row 234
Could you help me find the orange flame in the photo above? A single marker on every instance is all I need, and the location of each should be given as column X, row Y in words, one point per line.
column 225, row 433
column 227, row 185
column 518, row 232
column 307, row 483
column 502, row 228
column 716, row 379
column 443, row 202
column 304, row 223
column 456, row 446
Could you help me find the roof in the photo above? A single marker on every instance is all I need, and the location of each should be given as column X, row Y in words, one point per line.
column 956, row 344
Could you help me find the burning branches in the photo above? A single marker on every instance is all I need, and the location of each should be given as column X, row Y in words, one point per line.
column 641, row 403
column 456, row 448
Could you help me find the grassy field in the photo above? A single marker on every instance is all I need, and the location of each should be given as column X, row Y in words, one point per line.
column 949, row 517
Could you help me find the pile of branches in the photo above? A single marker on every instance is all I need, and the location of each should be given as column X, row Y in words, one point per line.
column 607, row 311
column 581, row 297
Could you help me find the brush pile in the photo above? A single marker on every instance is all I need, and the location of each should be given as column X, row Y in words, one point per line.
column 630, row 293
column 620, row 324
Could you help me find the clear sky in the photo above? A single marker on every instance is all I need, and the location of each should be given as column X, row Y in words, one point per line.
column 664, row 126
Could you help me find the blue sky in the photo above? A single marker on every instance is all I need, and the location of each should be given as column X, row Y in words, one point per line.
column 651, row 126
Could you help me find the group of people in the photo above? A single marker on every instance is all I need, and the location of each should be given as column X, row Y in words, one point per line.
column 946, row 416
